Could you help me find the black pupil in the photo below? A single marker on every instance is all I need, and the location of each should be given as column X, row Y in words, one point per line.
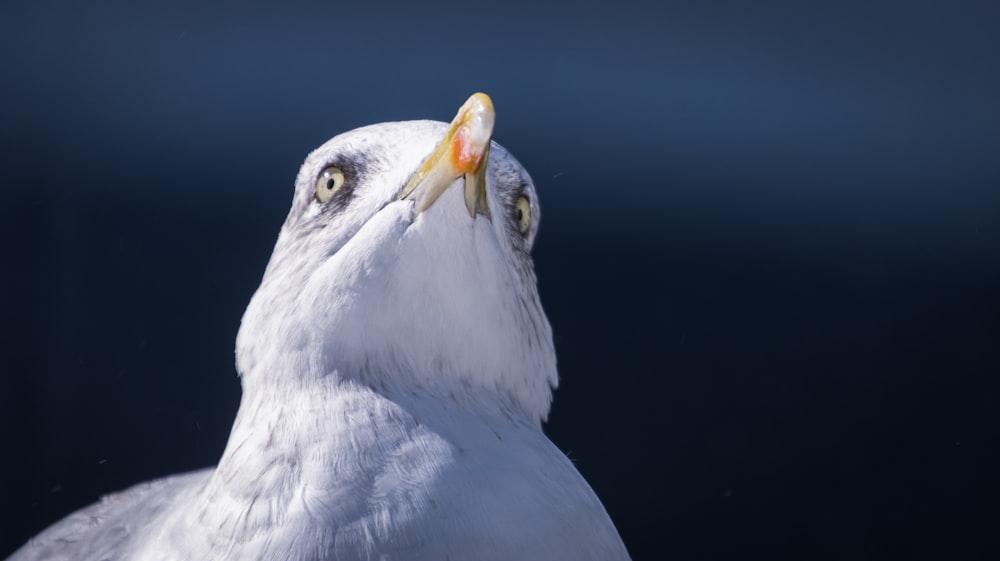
column 330, row 183
column 520, row 214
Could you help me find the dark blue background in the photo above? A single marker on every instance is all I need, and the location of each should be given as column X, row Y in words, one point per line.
column 770, row 246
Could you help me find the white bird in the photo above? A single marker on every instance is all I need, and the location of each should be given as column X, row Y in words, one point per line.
column 396, row 368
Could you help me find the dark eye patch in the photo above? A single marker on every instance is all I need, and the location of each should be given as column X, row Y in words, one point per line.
column 510, row 195
column 355, row 170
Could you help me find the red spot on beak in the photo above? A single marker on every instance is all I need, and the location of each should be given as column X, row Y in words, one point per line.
column 464, row 156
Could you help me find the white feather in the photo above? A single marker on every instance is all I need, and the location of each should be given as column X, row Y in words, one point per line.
column 396, row 369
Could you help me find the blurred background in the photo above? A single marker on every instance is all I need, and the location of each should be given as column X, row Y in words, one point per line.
column 770, row 245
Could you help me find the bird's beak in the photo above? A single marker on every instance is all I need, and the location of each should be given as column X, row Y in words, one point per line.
column 465, row 151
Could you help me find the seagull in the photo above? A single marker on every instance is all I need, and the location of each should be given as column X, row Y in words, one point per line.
column 396, row 367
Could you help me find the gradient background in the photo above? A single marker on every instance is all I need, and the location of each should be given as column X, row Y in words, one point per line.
column 770, row 246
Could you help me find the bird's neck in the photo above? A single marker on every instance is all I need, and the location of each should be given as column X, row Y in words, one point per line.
column 293, row 445
column 387, row 320
column 279, row 351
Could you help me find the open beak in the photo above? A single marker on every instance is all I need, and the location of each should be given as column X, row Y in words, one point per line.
column 464, row 152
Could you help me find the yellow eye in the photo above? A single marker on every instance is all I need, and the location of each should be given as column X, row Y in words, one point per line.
column 328, row 183
column 522, row 213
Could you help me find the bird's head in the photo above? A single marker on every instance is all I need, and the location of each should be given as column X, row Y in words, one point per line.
column 404, row 264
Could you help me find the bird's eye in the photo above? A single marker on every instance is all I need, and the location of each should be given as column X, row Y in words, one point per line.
column 522, row 213
column 328, row 183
